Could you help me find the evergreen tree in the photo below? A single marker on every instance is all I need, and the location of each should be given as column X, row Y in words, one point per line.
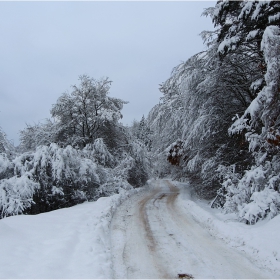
column 144, row 133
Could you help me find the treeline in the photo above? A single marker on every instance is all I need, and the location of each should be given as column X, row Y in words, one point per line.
column 218, row 122
column 217, row 125
column 83, row 153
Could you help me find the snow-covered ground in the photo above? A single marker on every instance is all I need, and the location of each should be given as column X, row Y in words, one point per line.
column 161, row 233
column 156, row 233
column 68, row 243
column 260, row 242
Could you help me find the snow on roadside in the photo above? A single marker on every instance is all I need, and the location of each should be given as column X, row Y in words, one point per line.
column 260, row 242
column 67, row 243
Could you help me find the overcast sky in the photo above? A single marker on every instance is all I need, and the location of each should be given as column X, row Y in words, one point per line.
column 46, row 46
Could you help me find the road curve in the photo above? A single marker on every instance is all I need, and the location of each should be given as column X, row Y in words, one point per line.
column 152, row 239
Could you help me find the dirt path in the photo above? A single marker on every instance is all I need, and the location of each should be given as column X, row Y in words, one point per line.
column 152, row 238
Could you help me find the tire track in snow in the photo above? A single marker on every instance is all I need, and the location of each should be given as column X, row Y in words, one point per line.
column 151, row 241
column 211, row 254
column 132, row 249
column 152, row 238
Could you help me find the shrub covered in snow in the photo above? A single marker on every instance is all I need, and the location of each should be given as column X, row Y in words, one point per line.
column 6, row 147
column 82, row 154
column 265, row 203
column 5, row 166
column 255, row 195
column 53, row 177
column 16, row 194
column 99, row 151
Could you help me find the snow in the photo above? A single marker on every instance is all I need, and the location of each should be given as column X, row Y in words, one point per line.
column 76, row 242
column 229, row 43
column 16, row 194
column 193, row 163
column 252, row 34
column 258, row 9
column 260, row 242
column 67, row 243
column 269, row 46
column 256, row 84
column 155, row 235
column 274, row 18
column 4, row 163
column 246, row 9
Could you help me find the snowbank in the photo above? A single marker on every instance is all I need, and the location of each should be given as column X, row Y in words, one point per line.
column 67, row 243
column 260, row 242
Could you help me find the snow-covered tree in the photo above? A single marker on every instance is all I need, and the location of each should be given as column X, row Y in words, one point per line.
column 6, row 167
column 35, row 135
column 82, row 154
column 200, row 99
column 81, row 114
column 219, row 111
column 7, row 153
column 6, row 147
column 143, row 133
column 252, row 27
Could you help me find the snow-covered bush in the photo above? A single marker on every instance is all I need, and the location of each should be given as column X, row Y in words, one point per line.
column 229, row 179
column 138, row 170
column 54, row 177
column 16, row 194
column 253, row 196
column 99, row 151
column 81, row 154
column 66, row 177
column 5, row 166
column 36, row 135
column 6, row 147
column 265, row 203
column 115, row 186
column 116, row 179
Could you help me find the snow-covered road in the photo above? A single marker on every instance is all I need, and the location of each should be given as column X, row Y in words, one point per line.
column 153, row 232
column 151, row 237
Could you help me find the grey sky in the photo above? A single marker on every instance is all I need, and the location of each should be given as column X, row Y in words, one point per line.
column 45, row 46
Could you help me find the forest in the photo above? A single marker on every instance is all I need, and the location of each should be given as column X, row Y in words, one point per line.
column 217, row 126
